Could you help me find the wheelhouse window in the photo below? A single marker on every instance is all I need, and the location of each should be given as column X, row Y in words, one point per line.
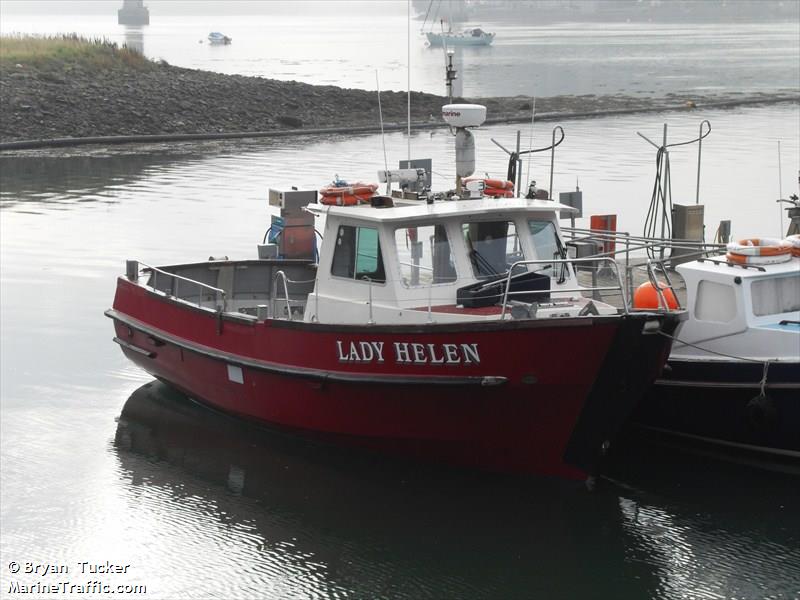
column 424, row 255
column 545, row 240
column 546, row 243
column 776, row 295
column 715, row 302
column 493, row 246
column 358, row 254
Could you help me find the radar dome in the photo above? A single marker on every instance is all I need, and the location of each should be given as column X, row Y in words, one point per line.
column 464, row 115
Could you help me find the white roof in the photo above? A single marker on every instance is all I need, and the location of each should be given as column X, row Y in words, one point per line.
column 706, row 266
column 421, row 211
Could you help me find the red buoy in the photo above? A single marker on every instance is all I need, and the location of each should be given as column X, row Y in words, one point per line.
column 646, row 296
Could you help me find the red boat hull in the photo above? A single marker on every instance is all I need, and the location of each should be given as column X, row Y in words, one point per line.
column 531, row 396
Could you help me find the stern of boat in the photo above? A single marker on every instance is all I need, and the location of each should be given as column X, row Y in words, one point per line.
column 635, row 359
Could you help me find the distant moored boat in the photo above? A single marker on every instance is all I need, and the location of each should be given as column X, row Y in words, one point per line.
column 469, row 37
column 215, row 37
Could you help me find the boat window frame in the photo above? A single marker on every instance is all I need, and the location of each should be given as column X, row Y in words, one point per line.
column 454, row 251
column 524, row 245
column 381, row 255
column 561, row 248
column 713, row 289
column 754, row 287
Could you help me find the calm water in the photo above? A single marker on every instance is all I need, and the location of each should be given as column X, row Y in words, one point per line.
column 345, row 43
column 100, row 464
column 201, row 506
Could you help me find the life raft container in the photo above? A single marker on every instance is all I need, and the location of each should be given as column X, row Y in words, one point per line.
column 794, row 242
column 348, row 195
column 496, row 188
column 759, row 251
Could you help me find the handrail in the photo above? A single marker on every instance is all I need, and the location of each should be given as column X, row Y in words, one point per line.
column 567, row 261
column 732, row 264
column 368, row 279
column 156, row 270
column 651, row 275
column 430, row 286
column 285, row 279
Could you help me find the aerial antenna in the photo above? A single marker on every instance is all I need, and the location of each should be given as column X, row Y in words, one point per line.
column 780, row 193
column 661, row 200
column 530, row 142
column 449, row 73
column 427, row 12
column 699, row 152
column 380, row 116
column 408, row 45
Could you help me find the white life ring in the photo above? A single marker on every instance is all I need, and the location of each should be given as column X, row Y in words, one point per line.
column 794, row 242
column 760, row 247
column 750, row 259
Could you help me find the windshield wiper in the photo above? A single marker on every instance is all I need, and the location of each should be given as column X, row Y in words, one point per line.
column 482, row 264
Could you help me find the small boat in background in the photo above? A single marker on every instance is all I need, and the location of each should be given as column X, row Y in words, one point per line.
column 469, row 37
column 217, row 38
column 472, row 36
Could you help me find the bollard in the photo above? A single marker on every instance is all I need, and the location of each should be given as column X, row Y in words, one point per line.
column 262, row 312
column 132, row 270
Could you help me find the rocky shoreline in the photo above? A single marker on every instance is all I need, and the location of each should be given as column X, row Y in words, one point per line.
column 62, row 100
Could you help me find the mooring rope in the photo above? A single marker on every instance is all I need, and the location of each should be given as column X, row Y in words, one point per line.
column 742, row 358
column 764, row 378
column 753, row 360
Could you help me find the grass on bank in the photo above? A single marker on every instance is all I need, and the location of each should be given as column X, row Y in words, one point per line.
column 43, row 50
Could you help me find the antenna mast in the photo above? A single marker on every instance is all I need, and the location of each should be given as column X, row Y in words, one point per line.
column 450, row 74
column 408, row 44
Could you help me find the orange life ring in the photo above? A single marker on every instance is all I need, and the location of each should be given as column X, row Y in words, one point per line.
column 357, row 189
column 760, row 247
column 498, row 193
column 349, row 195
column 794, row 242
column 752, row 259
column 345, row 199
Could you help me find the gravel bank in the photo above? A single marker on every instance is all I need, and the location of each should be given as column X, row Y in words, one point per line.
column 59, row 100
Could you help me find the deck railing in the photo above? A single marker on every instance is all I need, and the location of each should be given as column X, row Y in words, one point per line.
column 281, row 275
column 626, row 243
column 430, row 285
column 133, row 271
column 659, row 287
column 601, row 261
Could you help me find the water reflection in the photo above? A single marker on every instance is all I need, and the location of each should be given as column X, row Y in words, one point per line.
column 64, row 176
column 88, row 177
column 134, row 38
column 306, row 519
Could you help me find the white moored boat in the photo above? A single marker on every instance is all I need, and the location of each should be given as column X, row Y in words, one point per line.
column 217, row 38
column 733, row 377
column 469, row 37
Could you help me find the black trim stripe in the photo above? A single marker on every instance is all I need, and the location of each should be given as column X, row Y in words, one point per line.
column 133, row 348
column 283, row 369
column 711, row 440
column 724, row 384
